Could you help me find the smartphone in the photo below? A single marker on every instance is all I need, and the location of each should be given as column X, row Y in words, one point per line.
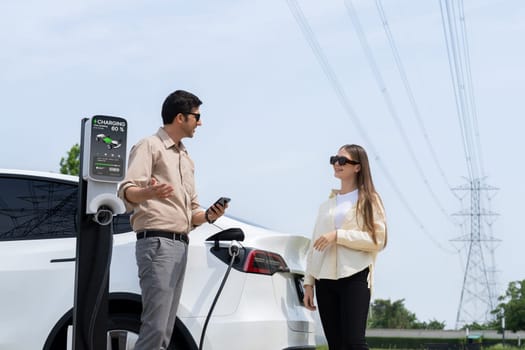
column 221, row 201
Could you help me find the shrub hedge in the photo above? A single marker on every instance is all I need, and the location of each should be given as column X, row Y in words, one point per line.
column 435, row 343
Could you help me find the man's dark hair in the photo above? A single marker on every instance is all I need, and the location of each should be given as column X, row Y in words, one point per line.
column 177, row 102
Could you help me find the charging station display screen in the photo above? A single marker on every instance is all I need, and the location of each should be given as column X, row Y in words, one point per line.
column 108, row 148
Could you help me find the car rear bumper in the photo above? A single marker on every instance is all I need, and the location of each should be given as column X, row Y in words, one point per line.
column 267, row 316
column 224, row 333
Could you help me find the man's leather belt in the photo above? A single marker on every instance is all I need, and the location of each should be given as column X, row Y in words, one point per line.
column 183, row 237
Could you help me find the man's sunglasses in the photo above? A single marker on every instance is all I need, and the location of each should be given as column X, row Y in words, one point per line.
column 196, row 115
column 342, row 160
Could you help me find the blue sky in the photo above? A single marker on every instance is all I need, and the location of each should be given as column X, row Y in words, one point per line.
column 271, row 117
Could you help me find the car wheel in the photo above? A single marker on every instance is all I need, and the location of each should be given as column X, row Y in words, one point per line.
column 123, row 330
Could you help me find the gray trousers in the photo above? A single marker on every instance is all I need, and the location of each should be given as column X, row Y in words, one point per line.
column 161, row 265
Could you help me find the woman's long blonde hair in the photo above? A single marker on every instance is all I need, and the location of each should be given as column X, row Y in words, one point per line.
column 368, row 197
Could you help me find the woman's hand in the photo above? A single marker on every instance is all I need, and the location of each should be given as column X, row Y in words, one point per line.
column 308, row 298
column 325, row 240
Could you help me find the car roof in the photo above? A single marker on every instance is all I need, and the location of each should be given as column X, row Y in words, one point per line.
column 228, row 220
column 44, row 174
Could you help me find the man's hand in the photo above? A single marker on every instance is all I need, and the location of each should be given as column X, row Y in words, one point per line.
column 325, row 240
column 158, row 190
column 215, row 211
column 308, row 298
column 136, row 194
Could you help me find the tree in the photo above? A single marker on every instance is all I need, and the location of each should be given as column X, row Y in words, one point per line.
column 71, row 163
column 385, row 314
column 433, row 324
column 474, row 326
column 512, row 307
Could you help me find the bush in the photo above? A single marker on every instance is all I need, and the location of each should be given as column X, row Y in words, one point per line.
column 500, row 346
column 436, row 344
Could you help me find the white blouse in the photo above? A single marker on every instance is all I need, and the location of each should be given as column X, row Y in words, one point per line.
column 343, row 204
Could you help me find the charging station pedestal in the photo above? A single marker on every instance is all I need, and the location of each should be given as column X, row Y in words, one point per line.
column 102, row 167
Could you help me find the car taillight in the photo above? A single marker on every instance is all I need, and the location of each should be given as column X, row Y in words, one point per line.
column 252, row 260
column 264, row 262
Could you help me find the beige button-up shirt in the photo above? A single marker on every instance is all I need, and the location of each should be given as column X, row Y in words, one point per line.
column 159, row 157
column 354, row 249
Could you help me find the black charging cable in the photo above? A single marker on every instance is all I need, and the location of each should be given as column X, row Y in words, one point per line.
column 234, row 251
column 101, row 291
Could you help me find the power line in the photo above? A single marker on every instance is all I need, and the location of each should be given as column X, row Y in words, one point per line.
column 408, row 89
column 459, row 64
column 472, row 99
column 477, row 298
column 354, row 18
column 334, row 82
column 451, row 52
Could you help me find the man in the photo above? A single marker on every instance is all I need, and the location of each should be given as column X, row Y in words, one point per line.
column 160, row 190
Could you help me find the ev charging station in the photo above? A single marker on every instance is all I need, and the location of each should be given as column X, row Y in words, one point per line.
column 102, row 167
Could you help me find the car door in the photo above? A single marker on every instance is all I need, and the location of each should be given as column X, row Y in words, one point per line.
column 37, row 250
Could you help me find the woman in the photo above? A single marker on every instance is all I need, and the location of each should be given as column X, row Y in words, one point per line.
column 349, row 232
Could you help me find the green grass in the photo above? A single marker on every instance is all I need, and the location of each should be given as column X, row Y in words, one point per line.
column 494, row 347
column 325, row 347
column 502, row 347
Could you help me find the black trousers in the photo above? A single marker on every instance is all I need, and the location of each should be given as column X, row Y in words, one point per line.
column 343, row 307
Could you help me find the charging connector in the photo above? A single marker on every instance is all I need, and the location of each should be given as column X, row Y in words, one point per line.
column 234, row 248
column 103, row 216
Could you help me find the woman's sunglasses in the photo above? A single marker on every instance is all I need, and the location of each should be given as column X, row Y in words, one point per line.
column 342, row 160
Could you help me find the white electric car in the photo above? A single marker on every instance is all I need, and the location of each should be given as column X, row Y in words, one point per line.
column 260, row 306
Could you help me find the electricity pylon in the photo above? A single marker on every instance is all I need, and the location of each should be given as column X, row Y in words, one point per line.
column 478, row 294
